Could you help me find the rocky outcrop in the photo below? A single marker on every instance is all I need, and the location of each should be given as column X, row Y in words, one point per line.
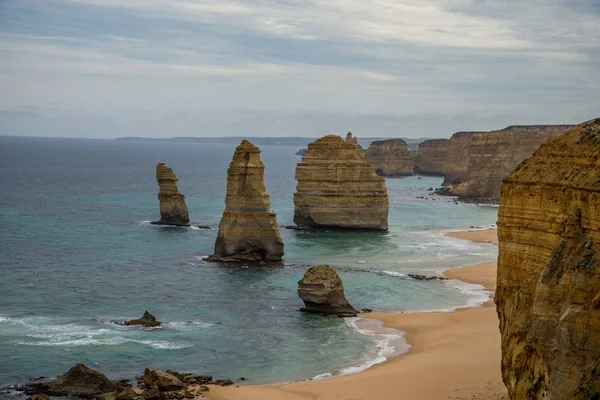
column 162, row 380
column 548, row 288
column 248, row 230
column 390, row 157
column 353, row 140
column 80, row 381
column 148, row 320
column 322, row 291
column 493, row 155
column 338, row 189
column 301, row 152
column 173, row 210
column 430, row 157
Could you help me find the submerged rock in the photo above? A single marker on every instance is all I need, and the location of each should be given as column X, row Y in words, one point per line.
column 322, row 291
column 248, row 230
column 338, row 189
column 80, row 381
column 147, row 320
column 173, row 210
column 548, row 288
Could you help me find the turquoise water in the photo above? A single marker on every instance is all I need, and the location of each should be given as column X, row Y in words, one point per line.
column 78, row 251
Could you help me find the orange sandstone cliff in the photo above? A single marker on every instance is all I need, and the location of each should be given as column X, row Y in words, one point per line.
column 173, row 210
column 548, row 287
column 492, row 156
column 430, row 157
column 338, row 189
column 390, row 157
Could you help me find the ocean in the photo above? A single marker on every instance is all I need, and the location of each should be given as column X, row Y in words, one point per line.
column 78, row 252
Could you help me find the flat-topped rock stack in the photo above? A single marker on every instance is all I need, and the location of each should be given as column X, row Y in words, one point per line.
column 548, row 288
column 338, row 189
column 248, row 230
column 390, row 157
column 173, row 210
column 430, row 157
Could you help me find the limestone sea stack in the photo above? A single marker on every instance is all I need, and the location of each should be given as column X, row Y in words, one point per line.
column 338, row 189
column 456, row 161
column 248, row 230
column 173, row 210
column 548, row 290
column 430, row 157
column 352, row 140
column 322, row 291
column 390, row 157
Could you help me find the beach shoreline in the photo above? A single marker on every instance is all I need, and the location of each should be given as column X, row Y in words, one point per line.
column 453, row 355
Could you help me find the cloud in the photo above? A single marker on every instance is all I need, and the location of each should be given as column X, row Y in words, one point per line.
column 378, row 60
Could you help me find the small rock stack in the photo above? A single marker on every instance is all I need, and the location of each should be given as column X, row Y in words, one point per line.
column 173, row 210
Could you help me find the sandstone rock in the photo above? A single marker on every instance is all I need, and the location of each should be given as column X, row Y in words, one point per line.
column 173, row 210
column 338, row 189
column 162, row 380
column 80, row 381
column 151, row 393
column 430, row 157
column 352, row 140
column 127, row 394
column 248, row 230
column 301, row 152
column 390, row 157
column 549, row 270
column 492, row 156
column 223, row 382
column 322, row 291
column 107, row 396
column 147, row 320
column 39, row 396
column 456, row 161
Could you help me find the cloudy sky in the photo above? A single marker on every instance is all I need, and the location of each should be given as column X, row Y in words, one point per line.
column 409, row 68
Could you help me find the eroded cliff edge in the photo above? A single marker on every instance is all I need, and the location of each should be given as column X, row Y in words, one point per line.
column 431, row 156
column 248, row 230
column 338, row 189
column 483, row 160
column 548, row 290
column 390, row 157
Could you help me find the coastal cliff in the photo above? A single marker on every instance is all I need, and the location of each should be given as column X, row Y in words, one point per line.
column 548, row 288
column 173, row 210
column 430, row 157
column 476, row 163
column 248, row 230
column 390, row 157
column 338, row 189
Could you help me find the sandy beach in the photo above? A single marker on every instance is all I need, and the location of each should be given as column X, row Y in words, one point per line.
column 454, row 355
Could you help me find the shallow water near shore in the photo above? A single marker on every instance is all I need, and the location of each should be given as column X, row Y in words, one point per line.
column 79, row 252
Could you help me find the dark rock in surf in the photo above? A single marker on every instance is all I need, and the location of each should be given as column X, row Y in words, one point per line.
column 148, row 320
column 80, row 381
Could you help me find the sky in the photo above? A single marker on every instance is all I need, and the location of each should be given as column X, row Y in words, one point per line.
column 380, row 68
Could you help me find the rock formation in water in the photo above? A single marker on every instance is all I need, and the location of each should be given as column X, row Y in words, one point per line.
column 248, row 230
column 80, row 381
column 322, row 291
column 390, row 157
column 301, row 152
column 353, row 140
column 148, row 320
column 456, row 162
column 338, row 189
column 430, row 157
column 491, row 157
column 173, row 210
column 548, row 288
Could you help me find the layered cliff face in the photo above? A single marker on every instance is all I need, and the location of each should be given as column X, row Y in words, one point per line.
column 491, row 156
column 430, row 157
column 456, row 161
column 390, row 157
column 248, row 230
column 548, row 291
column 322, row 291
column 338, row 189
column 173, row 210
